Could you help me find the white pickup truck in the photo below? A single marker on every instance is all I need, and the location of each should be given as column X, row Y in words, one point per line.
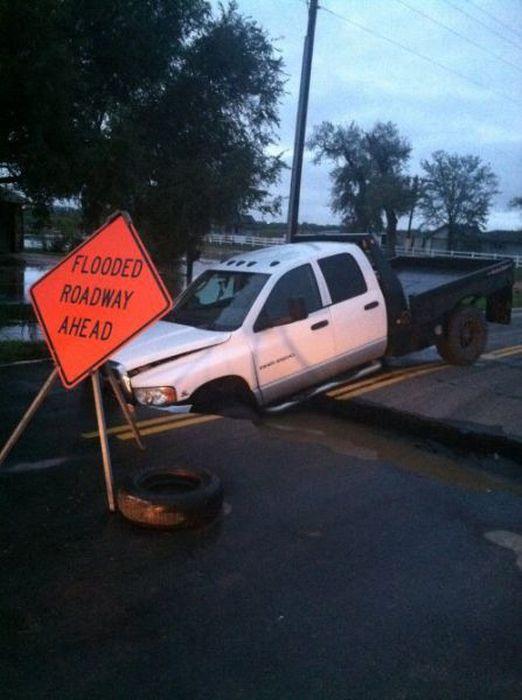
column 266, row 325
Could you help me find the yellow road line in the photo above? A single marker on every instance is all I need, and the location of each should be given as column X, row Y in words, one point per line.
column 503, row 352
column 349, row 394
column 378, row 379
column 152, row 426
column 173, row 425
column 141, row 424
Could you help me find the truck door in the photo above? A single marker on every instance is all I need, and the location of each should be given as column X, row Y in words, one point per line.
column 292, row 339
column 357, row 309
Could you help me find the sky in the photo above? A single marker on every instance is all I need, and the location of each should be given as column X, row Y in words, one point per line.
column 466, row 98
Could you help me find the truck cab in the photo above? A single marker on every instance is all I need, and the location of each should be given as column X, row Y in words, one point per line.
column 260, row 326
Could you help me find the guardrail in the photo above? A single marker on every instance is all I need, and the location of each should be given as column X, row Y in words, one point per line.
column 262, row 242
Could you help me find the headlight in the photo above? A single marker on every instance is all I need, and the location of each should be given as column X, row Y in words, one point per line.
column 156, row 395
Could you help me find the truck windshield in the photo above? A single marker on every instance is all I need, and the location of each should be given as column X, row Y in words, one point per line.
column 218, row 300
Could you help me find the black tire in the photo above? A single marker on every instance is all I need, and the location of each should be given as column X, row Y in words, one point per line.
column 465, row 337
column 218, row 401
column 171, row 498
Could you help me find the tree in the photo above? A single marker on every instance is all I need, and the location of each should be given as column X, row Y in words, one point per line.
column 457, row 191
column 155, row 106
column 516, row 203
column 368, row 178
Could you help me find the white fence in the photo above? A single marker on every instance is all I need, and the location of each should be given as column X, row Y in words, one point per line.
column 237, row 239
column 262, row 242
column 419, row 252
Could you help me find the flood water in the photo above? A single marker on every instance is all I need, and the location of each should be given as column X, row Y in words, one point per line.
column 16, row 317
column 17, row 320
column 472, row 472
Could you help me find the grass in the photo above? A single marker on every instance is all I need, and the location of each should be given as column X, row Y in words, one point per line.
column 16, row 350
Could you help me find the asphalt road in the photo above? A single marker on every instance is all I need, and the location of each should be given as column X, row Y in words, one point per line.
column 350, row 562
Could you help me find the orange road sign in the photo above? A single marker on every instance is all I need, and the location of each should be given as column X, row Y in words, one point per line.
column 101, row 295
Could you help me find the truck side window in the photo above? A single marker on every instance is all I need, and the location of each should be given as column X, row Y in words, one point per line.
column 343, row 277
column 295, row 284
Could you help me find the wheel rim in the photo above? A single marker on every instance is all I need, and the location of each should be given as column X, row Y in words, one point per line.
column 467, row 333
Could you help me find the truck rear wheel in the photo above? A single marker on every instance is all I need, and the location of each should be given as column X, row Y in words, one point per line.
column 465, row 337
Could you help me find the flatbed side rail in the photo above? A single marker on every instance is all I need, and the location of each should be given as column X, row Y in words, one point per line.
column 485, row 278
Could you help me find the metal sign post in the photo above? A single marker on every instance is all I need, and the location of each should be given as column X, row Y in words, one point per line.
column 129, row 417
column 22, row 425
column 100, row 418
column 104, row 442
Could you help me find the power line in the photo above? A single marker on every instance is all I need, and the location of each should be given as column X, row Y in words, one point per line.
column 495, row 19
column 461, row 36
column 483, row 24
column 418, row 54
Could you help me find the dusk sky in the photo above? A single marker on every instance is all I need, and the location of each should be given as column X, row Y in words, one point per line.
column 359, row 76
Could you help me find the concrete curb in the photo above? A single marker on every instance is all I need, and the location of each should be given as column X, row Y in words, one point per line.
column 465, row 435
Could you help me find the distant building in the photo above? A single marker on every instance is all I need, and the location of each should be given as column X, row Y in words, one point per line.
column 11, row 221
column 470, row 238
column 501, row 242
column 239, row 225
column 465, row 238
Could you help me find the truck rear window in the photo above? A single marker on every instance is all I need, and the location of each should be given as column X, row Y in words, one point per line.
column 218, row 300
column 343, row 277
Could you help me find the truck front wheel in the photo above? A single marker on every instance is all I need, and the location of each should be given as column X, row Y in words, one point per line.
column 227, row 397
column 464, row 338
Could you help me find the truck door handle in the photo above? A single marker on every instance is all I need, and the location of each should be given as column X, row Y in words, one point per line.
column 371, row 305
column 319, row 324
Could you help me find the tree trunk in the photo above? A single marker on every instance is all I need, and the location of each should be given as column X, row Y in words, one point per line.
column 391, row 232
column 451, row 236
column 192, row 253
column 189, row 267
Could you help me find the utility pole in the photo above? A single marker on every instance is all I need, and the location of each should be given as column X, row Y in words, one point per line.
column 300, row 127
column 413, row 205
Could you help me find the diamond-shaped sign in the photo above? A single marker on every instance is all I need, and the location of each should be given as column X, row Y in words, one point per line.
column 100, row 296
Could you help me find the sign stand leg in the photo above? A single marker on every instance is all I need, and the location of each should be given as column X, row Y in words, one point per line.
column 104, row 442
column 123, row 405
column 22, row 425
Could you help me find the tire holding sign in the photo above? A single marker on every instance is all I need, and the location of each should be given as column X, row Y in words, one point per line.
column 101, row 295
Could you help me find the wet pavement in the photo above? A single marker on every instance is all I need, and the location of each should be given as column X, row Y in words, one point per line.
column 350, row 562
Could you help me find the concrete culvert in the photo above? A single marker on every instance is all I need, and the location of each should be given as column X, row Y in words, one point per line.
column 171, row 498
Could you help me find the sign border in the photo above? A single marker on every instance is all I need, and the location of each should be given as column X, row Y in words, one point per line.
column 70, row 383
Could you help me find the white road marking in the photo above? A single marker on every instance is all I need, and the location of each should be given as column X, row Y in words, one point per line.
column 509, row 540
column 35, row 466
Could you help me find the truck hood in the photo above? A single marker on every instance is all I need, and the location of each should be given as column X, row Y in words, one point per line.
column 166, row 341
